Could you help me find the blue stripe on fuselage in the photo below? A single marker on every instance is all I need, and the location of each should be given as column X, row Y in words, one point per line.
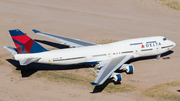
column 135, row 43
column 151, row 42
column 92, row 63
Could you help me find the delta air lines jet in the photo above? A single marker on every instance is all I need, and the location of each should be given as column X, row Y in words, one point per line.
column 107, row 57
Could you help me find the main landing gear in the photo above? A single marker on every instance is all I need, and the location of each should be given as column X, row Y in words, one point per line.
column 158, row 57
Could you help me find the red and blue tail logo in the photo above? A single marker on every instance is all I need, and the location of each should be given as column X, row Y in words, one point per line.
column 25, row 44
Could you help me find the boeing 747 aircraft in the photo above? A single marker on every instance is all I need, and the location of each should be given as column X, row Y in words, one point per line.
column 107, row 57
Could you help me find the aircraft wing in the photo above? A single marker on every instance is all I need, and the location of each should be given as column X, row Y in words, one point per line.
column 112, row 65
column 65, row 40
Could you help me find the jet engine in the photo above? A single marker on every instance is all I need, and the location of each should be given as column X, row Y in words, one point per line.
column 129, row 68
column 116, row 77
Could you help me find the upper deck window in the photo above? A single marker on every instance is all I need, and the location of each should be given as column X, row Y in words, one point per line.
column 164, row 39
column 99, row 55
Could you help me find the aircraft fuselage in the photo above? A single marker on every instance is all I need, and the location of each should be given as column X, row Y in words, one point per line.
column 138, row 47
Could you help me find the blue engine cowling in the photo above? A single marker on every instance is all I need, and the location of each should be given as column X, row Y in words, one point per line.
column 130, row 69
column 117, row 77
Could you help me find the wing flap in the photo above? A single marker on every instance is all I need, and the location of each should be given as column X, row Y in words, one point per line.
column 27, row 61
column 112, row 66
column 70, row 41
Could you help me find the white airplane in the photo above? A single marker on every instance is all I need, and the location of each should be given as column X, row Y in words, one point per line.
column 107, row 57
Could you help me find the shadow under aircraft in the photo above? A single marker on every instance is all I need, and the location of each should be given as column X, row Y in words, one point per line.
column 32, row 68
column 53, row 44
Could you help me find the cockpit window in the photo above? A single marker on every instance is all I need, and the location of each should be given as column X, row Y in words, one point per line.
column 164, row 39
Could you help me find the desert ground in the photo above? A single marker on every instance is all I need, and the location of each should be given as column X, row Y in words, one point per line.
column 93, row 21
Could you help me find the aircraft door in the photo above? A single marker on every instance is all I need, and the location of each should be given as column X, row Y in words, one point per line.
column 138, row 51
column 50, row 60
column 157, row 48
column 109, row 54
column 88, row 57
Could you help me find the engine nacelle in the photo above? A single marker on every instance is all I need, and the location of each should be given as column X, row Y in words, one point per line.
column 129, row 69
column 116, row 77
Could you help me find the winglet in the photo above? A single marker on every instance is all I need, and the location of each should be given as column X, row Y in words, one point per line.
column 94, row 84
column 35, row 31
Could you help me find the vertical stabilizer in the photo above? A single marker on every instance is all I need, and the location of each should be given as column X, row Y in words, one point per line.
column 25, row 44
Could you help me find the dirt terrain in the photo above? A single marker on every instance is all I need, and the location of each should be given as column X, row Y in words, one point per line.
column 89, row 20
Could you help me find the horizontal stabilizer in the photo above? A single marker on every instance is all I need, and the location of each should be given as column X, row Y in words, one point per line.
column 12, row 50
column 27, row 61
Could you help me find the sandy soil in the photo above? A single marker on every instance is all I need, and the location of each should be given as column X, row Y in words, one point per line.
column 88, row 20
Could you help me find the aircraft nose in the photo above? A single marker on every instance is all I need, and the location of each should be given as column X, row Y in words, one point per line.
column 174, row 44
